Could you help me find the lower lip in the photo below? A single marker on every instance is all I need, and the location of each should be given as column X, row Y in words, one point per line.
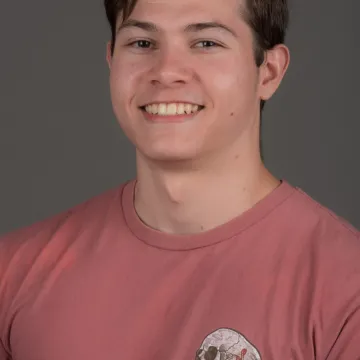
column 169, row 118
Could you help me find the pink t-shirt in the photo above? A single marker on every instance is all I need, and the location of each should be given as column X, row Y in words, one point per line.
column 281, row 281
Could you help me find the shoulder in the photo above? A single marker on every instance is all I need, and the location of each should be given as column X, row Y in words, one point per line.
column 307, row 216
column 327, row 243
column 321, row 212
column 326, row 249
column 33, row 253
column 335, row 257
column 334, row 238
column 43, row 229
column 29, row 254
column 21, row 248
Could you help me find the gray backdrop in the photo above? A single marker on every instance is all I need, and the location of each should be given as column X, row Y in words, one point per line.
column 60, row 143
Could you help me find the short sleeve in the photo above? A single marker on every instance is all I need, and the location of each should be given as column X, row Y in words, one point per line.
column 3, row 299
column 347, row 344
column 20, row 251
column 340, row 310
column 3, row 353
column 8, row 250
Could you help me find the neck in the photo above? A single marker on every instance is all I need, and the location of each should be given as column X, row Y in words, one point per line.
column 180, row 201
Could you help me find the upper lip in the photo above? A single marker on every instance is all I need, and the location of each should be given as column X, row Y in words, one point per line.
column 170, row 102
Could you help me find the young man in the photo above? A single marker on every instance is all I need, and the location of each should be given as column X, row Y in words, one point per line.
column 205, row 255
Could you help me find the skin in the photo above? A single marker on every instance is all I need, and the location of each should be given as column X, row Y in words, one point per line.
column 196, row 174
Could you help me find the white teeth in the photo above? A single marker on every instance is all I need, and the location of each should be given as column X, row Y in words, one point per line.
column 162, row 109
column 188, row 108
column 172, row 109
column 195, row 108
column 181, row 109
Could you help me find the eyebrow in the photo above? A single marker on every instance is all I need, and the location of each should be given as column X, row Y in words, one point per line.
column 191, row 28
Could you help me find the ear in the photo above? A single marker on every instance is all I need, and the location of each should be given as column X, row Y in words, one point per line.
column 273, row 70
column 108, row 54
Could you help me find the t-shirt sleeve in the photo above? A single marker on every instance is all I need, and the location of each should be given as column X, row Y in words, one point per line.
column 340, row 313
column 7, row 289
column 19, row 251
column 347, row 344
column 3, row 354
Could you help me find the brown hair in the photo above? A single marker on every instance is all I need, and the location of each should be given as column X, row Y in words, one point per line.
column 268, row 20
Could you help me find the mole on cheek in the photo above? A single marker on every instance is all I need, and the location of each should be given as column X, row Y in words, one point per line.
column 232, row 114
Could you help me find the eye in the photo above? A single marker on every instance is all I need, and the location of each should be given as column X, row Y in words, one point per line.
column 206, row 44
column 140, row 44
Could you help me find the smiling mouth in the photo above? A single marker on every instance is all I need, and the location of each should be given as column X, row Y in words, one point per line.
column 172, row 109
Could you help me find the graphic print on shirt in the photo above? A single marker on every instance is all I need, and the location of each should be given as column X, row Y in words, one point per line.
column 227, row 344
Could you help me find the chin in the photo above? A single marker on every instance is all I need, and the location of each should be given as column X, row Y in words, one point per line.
column 169, row 155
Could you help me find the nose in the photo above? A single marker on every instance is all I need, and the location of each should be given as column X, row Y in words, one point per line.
column 171, row 68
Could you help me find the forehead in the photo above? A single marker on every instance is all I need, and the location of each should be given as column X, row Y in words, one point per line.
column 174, row 12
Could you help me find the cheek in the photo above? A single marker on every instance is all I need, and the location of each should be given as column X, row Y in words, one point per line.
column 124, row 76
column 118, row 79
column 228, row 77
column 122, row 90
column 232, row 92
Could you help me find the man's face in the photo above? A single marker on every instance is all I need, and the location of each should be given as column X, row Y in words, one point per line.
column 177, row 63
